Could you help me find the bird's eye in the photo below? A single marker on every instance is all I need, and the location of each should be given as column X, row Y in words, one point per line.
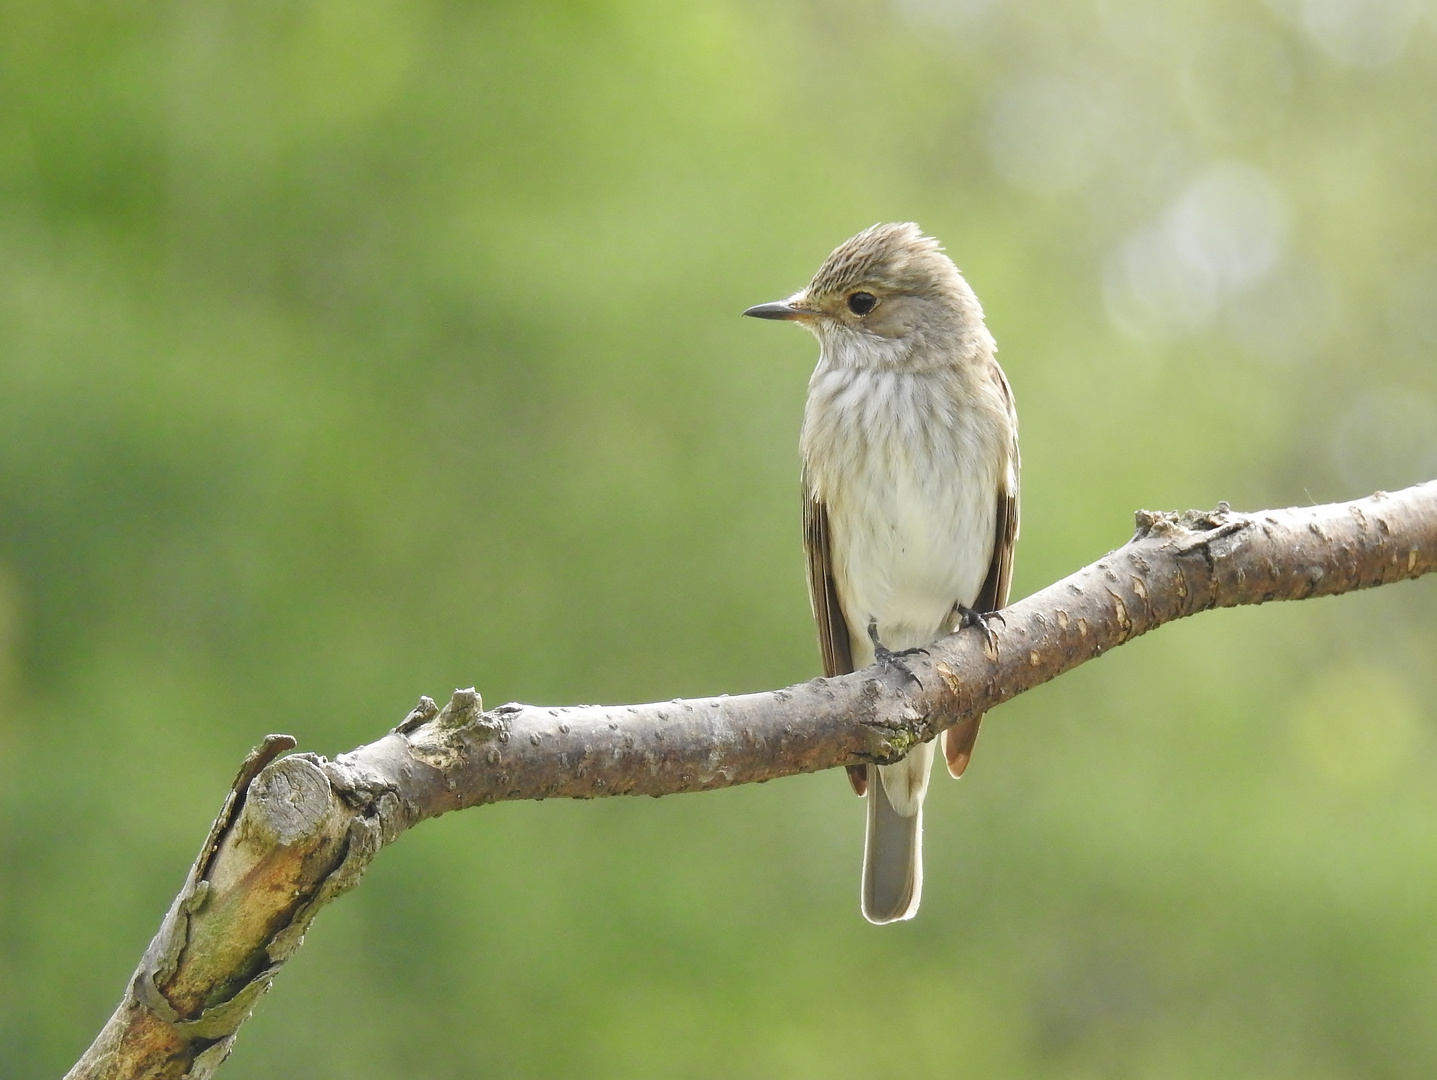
column 861, row 303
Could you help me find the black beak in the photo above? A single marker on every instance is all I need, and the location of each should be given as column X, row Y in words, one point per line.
column 779, row 309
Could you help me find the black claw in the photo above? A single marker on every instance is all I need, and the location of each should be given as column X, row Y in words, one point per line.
column 890, row 659
column 969, row 617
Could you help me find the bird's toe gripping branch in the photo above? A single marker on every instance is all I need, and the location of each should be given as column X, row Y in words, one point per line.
column 894, row 660
column 969, row 617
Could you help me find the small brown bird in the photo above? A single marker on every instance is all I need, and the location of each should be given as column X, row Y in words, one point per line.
column 910, row 497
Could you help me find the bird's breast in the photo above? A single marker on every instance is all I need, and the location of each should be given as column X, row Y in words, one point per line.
column 908, row 470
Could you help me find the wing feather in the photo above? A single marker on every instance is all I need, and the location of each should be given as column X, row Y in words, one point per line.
column 833, row 641
column 959, row 739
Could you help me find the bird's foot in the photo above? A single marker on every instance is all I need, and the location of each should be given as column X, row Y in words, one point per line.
column 890, row 659
column 969, row 617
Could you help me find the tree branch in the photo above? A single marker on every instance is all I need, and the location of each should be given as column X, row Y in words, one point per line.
column 296, row 832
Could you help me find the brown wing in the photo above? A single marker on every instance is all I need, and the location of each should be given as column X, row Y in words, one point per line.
column 959, row 739
column 823, row 592
column 833, row 641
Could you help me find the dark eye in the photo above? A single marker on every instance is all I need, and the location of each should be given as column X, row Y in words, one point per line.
column 861, row 303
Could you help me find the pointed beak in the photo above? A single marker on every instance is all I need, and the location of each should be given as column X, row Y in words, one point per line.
column 781, row 309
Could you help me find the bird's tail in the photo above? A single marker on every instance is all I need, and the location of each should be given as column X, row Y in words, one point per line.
column 893, row 848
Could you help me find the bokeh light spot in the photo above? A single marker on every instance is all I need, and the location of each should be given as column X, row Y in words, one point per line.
column 1223, row 235
column 1361, row 33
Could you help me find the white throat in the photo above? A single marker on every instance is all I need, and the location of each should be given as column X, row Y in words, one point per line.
column 846, row 349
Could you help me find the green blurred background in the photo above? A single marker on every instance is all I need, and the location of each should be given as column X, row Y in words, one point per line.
column 357, row 349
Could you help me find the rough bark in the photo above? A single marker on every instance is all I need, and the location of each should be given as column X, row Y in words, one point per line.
column 296, row 832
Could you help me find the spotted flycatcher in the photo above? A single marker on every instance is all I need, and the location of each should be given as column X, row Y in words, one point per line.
column 910, row 497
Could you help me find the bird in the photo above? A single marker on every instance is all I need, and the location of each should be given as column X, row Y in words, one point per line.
column 910, row 469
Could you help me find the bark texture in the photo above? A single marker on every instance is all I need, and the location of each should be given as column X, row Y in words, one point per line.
column 296, row 832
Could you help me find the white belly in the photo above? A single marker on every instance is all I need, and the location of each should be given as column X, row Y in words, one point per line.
column 910, row 480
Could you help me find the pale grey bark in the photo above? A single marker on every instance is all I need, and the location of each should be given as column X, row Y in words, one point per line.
column 297, row 831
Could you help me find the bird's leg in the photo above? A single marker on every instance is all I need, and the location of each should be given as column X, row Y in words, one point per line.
column 969, row 617
column 890, row 659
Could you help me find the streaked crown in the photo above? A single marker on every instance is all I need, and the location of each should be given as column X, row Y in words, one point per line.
column 896, row 258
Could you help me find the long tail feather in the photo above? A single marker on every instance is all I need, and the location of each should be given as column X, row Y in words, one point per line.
column 893, row 847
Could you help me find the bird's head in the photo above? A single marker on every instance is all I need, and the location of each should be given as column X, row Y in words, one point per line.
column 888, row 297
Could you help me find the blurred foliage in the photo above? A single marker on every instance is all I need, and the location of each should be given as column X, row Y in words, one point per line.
column 356, row 350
